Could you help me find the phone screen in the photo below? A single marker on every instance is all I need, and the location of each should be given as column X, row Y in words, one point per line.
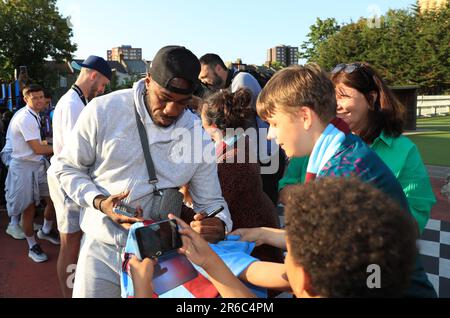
column 158, row 239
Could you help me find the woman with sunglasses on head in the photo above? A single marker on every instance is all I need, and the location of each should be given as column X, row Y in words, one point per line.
column 369, row 107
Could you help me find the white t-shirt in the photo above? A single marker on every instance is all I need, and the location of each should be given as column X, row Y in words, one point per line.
column 8, row 145
column 24, row 127
column 65, row 116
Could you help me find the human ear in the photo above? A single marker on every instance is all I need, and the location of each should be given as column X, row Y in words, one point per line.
column 374, row 97
column 306, row 115
column 298, row 279
column 148, row 80
column 93, row 76
column 305, row 289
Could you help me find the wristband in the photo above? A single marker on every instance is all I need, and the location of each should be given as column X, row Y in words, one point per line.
column 100, row 205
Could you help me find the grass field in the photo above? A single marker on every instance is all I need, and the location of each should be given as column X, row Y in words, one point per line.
column 433, row 140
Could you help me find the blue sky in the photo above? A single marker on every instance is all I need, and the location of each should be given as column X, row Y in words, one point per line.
column 231, row 28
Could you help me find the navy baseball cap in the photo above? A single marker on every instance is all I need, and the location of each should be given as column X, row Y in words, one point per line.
column 95, row 63
column 175, row 62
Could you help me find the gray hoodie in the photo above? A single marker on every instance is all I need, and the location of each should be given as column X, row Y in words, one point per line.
column 103, row 155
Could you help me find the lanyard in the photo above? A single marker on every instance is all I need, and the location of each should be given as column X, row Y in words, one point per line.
column 39, row 124
column 80, row 94
column 35, row 117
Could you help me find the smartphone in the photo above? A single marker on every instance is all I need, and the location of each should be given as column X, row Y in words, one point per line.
column 126, row 210
column 158, row 239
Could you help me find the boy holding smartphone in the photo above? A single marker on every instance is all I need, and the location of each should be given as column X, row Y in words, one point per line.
column 322, row 260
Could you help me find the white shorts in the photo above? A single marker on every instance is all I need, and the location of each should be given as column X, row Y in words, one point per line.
column 67, row 211
column 25, row 184
column 6, row 157
column 98, row 270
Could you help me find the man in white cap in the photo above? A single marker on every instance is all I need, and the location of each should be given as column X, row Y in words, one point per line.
column 94, row 76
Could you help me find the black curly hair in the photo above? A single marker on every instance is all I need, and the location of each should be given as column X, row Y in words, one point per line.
column 229, row 110
column 338, row 227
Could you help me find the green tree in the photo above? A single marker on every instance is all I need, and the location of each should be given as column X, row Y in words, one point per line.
column 431, row 68
column 344, row 46
column 319, row 33
column 276, row 66
column 128, row 82
column 405, row 47
column 30, row 32
column 113, row 84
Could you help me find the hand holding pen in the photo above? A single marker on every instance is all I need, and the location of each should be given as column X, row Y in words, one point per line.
column 213, row 213
column 209, row 226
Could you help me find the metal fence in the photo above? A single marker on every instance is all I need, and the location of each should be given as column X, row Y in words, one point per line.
column 10, row 96
column 428, row 106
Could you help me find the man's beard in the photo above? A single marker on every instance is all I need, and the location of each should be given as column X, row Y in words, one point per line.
column 217, row 82
column 170, row 120
column 92, row 93
column 158, row 120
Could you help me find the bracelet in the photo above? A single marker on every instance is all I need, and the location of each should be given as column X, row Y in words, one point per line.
column 100, row 205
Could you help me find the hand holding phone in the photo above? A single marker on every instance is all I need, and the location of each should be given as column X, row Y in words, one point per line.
column 158, row 239
column 121, row 216
column 125, row 210
column 195, row 247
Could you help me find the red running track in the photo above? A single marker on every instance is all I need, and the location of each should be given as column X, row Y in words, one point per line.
column 20, row 277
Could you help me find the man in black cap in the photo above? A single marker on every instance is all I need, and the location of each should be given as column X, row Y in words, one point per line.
column 95, row 74
column 106, row 157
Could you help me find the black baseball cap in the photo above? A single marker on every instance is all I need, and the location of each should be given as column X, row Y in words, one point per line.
column 175, row 62
column 95, row 63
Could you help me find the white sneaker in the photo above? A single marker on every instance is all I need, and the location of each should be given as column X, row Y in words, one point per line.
column 52, row 237
column 36, row 227
column 37, row 254
column 15, row 231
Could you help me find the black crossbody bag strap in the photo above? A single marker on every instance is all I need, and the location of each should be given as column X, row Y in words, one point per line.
column 146, row 149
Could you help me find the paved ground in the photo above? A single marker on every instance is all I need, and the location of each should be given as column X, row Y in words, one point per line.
column 21, row 277
column 435, row 241
column 438, row 175
column 438, row 172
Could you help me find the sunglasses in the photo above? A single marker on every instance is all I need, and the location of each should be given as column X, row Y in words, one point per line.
column 347, row 68
column 351, row 68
